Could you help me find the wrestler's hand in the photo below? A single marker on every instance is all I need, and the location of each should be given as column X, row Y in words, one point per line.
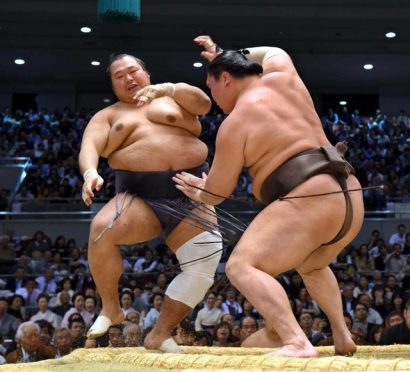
column 92, row 181
column 185, row 182
column 150, row 92
column 210, row 48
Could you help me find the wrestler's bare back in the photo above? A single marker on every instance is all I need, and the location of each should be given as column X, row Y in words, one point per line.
column 144, row 138
column 277, row 120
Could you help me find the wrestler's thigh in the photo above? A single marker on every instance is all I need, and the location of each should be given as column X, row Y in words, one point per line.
column 189, row 227
column 323, row 255
column 136, row 223
column 286, row 232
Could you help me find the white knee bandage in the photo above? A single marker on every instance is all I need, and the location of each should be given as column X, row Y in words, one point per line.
column 190, row 286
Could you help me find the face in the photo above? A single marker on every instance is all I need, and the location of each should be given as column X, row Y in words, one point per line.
column 3, row 307
column 360, row 312
column 188, row 338
column 63, row 340
column 45, row 336
column 306, row 320
column 42, row 304
column 210, row 301
column 133, row 337
column 127, row 78
column 126, row 301
column 223, row 333
column 133, row 317
column 64, row 297
column 249, row 326
column 395, row 319
column 31, row 339
column 220, row 92
column 79, row 303
column 157, row 302
column 90, row 305
column 77, row 330
column 116, row 337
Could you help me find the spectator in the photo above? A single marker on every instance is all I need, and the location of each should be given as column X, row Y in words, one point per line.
column 145, row 264
column 363, row 287
column 64, row 304
column 13, row 284
column 399, row 237
column 209, row 316
column 231, row 306
column 372, row 315
column 187, row 333
column 153, row 314
column 222, row 334
column 360, row 320
column 30, row 349
column 306, row 323
column 29, row 292
column 393, row 318
column 400, row 333
column 375, row 336
column 348, row 299
column 249, row 325
column 44, row 313
column 115, row 336
column 203, row 338
column 46, row 283
column 132, row 335
column 8, row 323
column 363, row 260
column 63, row 342
column 76, row 326
column 16, row 308
column 79, row 303
column 46, row 331
column 126, row 300
column 394, row 261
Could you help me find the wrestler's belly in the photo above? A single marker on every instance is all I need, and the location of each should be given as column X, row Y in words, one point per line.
column 160, row 154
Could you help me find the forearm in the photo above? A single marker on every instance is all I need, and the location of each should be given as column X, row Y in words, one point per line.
column 263, row 53
column 88, row 158
column 192, row 99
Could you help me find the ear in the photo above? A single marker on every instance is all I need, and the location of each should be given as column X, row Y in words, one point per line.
column 226, row 78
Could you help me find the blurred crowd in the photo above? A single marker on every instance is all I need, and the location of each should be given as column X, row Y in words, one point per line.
column 48, row 298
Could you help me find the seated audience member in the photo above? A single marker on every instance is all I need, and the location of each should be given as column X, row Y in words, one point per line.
column 231, row 305
column 115, row 336
column 203, row 338
column 222, row 335
column 47, row 284
column 76, row 326
column 132, row 335
column 79, row 307
column 187, row 333
column 395, row 262
column 8, row 323
column 249, row 325
column 44, row 313
column 30, row 349
column 376, row 335
column 399, row 333
column 133, row 317
column 29, row 292
column 126, row 300
column 145, row 264
column 248, row 310
column 140, row 303
column 63, row 342
column 373, row 316
column 209, row 315
column 363, row 260
column 306, row 323
column 393, row 318
column 64, row 304
column 46, row 332
column 16, row 308
column 360, row 320
column 348, row 300
column 153, row 314
column 363, row 287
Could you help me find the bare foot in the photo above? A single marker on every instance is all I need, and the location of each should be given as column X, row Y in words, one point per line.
column 344, row 346
column 162, row 342
column 103, row 322
column 293, row 351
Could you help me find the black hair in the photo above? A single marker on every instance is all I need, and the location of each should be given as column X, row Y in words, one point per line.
column 235, row 63
column 116, row 56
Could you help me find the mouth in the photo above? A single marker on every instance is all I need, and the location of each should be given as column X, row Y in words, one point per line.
column 132, row 87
